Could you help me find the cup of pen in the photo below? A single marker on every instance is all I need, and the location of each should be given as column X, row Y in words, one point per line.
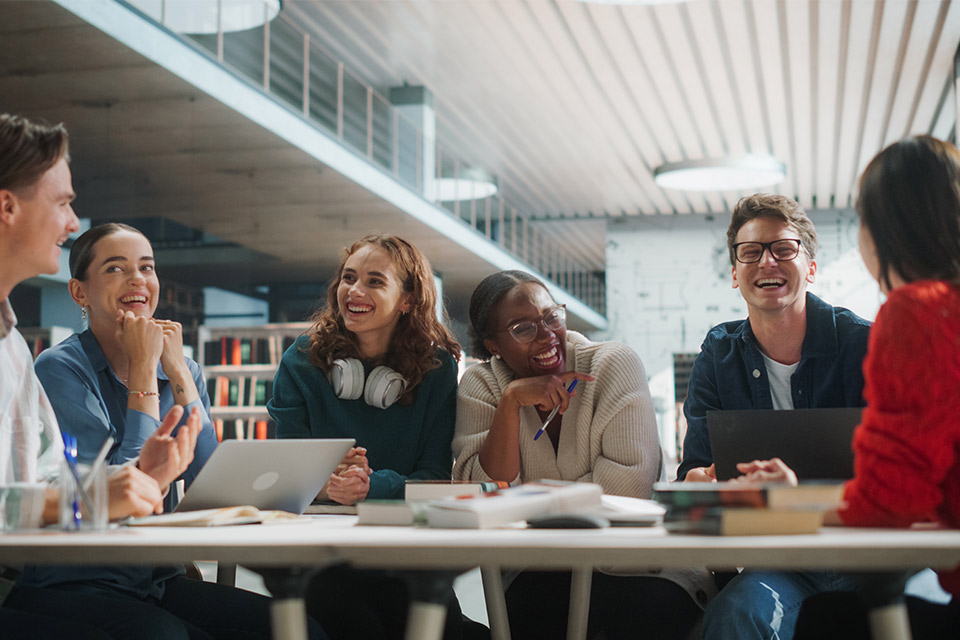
column 83, row 495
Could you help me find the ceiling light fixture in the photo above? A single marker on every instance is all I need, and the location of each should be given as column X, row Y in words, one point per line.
column 206, row 16
column 721, row 174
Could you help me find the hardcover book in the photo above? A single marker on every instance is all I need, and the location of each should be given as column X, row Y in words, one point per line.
column 420, row 490
column 813, row 495
column 742, row 521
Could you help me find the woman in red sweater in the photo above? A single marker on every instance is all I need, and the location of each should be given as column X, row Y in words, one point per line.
column 907, row 448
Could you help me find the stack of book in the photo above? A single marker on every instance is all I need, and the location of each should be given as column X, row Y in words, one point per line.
column 739, row 508
column 412, row 509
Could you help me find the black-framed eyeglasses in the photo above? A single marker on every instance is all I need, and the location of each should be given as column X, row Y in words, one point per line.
column 554, row 319
column 752, row 252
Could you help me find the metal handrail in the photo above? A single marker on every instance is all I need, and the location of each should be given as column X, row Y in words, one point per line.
column 493, row 218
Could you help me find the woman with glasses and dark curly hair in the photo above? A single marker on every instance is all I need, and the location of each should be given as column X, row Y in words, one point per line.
column 604, row 432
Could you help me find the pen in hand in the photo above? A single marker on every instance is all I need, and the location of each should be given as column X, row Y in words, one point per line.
column 553, row 413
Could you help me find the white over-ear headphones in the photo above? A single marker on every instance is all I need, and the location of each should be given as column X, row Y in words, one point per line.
column 380, row 389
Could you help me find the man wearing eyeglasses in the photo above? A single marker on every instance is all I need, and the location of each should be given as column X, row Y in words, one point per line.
column 794, row 351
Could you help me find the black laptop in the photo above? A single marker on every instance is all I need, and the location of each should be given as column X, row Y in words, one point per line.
column 815, row 443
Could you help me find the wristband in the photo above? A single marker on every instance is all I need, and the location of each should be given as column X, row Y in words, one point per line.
column 141, row 394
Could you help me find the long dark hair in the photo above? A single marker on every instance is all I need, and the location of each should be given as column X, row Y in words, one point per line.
column 484, row 301
column 910, row 204
column 418, row 334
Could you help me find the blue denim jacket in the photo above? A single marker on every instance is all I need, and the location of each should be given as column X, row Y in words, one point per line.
column 729, row 373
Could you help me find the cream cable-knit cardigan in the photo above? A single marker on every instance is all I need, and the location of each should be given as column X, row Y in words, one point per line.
column 609, row 434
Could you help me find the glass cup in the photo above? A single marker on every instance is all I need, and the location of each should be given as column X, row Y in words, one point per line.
column 76, row 513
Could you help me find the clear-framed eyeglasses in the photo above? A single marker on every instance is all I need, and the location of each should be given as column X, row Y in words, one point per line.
column 554, row 319
column 752, row 252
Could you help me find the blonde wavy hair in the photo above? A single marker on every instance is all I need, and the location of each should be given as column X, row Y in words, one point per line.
column 418, row 334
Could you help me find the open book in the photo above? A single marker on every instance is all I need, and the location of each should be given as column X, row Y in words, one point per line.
column 214, row 518
column 529, row 500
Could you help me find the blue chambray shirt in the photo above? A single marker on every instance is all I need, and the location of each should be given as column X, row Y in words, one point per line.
column 729, row 373
column 91, row 402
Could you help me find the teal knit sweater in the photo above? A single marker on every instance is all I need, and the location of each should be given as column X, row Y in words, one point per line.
column 402, row 441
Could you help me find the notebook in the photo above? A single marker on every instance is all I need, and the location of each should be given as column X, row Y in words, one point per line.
column 267, row 474
column 815, row 443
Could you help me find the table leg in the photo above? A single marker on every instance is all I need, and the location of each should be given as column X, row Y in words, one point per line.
column 580, row 583
column 288, row 612
column 493, row 595
column 288, row 619
column 425, row 621
column 890, row 622
column 429, row 593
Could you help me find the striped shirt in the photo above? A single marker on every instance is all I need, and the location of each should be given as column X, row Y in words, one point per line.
column 30, row 444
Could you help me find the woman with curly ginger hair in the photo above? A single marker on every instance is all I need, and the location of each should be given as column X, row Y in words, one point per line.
column 377, row 366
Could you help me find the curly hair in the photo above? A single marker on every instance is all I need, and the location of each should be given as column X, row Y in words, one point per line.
column 418, row 334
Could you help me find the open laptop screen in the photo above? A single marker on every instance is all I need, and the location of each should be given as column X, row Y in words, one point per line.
column 268, row 474
column 815, row 443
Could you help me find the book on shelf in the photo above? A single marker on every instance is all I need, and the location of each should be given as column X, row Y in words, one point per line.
column 420, row 490
column 807, row 495
column 514, row 504
column 237, row 351
column 742, row 521
column 223, row 516
column 244, row 429
column 244, row 391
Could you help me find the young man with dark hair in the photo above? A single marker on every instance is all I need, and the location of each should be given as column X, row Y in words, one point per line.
column 793, row 351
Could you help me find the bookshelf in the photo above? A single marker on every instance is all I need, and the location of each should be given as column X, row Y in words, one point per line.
column 40, row 338
column 184, row 304
column 239, row 364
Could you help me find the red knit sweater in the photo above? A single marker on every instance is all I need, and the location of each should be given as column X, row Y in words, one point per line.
column 907, row 448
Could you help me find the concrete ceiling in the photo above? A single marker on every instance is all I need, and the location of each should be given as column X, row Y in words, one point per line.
column 146, row 143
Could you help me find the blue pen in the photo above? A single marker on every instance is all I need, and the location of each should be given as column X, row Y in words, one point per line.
column 70, row 452
column 553, row 413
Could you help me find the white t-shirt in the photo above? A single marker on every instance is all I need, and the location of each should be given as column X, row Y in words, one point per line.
column 780, row 375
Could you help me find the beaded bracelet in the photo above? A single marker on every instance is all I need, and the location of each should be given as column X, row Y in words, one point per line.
column 141, row 394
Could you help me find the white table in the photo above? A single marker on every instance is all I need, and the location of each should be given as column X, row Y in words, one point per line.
column 326, row 540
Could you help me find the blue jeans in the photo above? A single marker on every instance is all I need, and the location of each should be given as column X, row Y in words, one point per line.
column 765, row 604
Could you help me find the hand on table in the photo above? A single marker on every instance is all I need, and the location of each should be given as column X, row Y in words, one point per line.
column 165, row 457
column 133, row 493
column 702, row 474
column 357, row 456
column 350, row 486
column 774, row 470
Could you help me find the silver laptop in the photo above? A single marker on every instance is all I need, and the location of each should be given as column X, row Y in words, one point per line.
column 267, row 474
column 815, row 443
